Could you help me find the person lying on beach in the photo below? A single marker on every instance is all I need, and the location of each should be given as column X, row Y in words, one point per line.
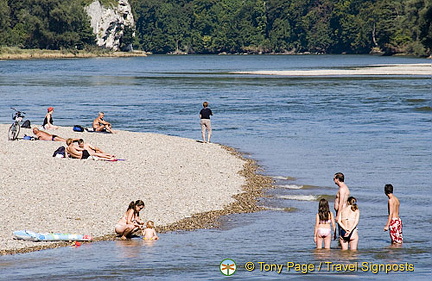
column 131, row 221
column 83, row 151
column 93, row 150
column 41, row 135
column 149, row 232
column 73, row 151
column 48, row 121
column 100, row 125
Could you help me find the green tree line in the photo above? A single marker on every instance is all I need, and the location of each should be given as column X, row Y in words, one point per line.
column 232, row 26
column 280, row 26
column 45, row 24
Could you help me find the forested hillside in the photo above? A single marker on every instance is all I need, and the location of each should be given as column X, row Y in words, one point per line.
column 232, row 26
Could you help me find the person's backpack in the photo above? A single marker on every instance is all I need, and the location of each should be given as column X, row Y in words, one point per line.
column 26, row 124
column 60, row 152
column 78, row 128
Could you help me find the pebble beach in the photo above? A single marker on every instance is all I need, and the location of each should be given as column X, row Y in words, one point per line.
column 184, row 183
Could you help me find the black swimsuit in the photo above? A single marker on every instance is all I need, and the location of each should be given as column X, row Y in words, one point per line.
column 342, row 233
column 85, row 154
column 46, row 121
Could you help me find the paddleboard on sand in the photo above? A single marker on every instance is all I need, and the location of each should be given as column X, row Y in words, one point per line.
column 34, row 236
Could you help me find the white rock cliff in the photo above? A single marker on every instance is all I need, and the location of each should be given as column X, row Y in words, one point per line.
column 109, row 23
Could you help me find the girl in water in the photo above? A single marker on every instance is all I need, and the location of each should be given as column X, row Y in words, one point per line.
column 130, row 222
column 348, row 221
column 324, row 223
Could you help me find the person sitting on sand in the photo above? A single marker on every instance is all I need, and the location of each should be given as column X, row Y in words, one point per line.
column 48, row 121
column 131, row 221
column 100, row 125
column 149, row 232
column 41, row 135
column 93, row 150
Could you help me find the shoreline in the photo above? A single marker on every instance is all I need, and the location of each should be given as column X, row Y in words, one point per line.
column 243, row 200
column 23, row 54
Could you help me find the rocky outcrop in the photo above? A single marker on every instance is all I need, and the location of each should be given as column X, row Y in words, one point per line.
column 111, row 24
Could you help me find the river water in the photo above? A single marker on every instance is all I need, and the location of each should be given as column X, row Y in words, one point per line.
column 301, row 130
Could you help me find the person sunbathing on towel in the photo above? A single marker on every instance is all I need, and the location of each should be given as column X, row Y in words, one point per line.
column 93, row 150
column 74, row 151
column 41, row 135
column 83, row 152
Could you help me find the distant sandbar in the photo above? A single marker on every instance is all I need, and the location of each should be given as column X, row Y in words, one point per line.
column 388, row 69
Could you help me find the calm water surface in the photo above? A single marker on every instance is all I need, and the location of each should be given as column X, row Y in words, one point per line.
column 376, row 130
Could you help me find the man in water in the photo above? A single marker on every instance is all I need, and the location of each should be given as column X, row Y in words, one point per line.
column 394, row 222
column 41, row 135
column 341, row 196
column 100, row 125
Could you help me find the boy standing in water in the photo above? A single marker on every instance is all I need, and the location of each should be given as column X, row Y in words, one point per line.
column 394, row 222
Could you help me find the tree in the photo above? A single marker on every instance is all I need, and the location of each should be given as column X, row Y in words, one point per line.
column 4, row 21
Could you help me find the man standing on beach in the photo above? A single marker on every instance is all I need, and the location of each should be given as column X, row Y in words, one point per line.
column 342, row 194
column 205, row 114
column 394, row 222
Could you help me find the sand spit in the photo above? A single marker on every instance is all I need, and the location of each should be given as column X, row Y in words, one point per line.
column 390, row 69
column 185, row 184
column 51, row 54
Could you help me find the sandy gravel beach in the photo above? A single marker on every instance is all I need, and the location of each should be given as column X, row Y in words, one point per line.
column 175, row 177
column 391, row 69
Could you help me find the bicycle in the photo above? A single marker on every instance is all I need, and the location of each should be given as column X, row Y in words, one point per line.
column 15, row 128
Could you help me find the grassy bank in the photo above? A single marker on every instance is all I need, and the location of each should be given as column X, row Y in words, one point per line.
column 13, row 53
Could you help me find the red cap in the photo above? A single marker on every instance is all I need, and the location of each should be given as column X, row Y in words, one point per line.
column 50, row 108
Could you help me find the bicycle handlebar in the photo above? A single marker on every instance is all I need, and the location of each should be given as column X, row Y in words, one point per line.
column 17, row 111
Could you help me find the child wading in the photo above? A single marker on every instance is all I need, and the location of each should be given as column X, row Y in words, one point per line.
column 394, row 222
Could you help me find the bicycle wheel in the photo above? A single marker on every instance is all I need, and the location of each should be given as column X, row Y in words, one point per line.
column 14, row 130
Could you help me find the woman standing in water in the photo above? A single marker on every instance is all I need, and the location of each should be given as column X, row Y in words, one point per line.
column 324, row 223
column 348, row 221
column 131, row 221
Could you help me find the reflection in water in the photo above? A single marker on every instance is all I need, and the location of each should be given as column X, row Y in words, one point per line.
column 132, row 248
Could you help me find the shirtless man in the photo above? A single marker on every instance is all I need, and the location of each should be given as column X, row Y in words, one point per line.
column 74, row 151
column 41, row 135
column 100, row 125
column 341, row 196
column 93, row 150
column 394, row 222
